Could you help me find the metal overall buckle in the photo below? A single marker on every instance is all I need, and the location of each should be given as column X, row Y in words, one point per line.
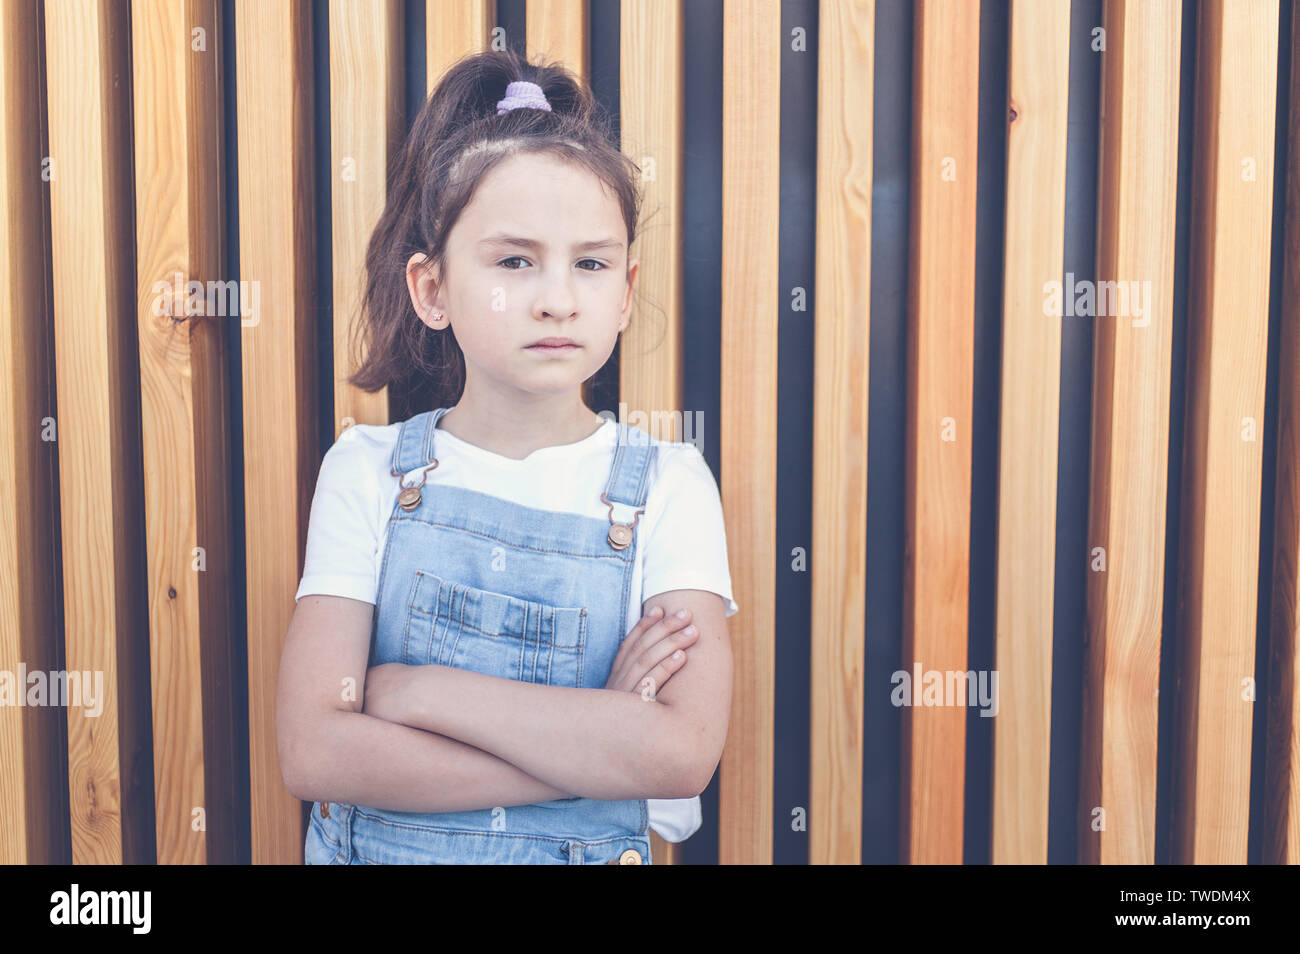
column 620, row 534
column 409, row 498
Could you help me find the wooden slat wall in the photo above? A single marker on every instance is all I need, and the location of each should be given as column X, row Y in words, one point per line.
column 32, row 771
column 277, row 237
column 451, row 30
column 1038, row 92
column 183, row 375
column 366, row 129
column 940, row 362
column 1232, row 212
column 557, row 31
column 843, row 334
column 1282, row 761
column 651, row 123
column 1136, row 202
column 141, row 404
column 751, row 124
column 87, row 76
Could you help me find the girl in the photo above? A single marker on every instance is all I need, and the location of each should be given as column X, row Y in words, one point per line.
column 486, row 662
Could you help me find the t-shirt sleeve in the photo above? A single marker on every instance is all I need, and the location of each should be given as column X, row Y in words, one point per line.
column 342, row 536
column 675, row 819
column 686, row 548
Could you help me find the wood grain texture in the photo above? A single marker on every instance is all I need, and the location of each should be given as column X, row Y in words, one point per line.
column 33, row 761
column 651, row 123
column 1282, row 756
column 1227, row 326
column 453, row 30
column 941, row 326
column 281, row 450
column 367, row 123
column 1136, row 202
column 751, row 304
column 184, row 408
column 842, row 337
column 1034, row 247
column 558, row 32
column 100, row 493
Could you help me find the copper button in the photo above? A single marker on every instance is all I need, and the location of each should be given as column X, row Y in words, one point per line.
column 324, row 809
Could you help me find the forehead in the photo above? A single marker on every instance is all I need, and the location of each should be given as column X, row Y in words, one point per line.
column 540, row 195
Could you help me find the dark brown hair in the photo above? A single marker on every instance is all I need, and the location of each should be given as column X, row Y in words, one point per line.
column 455, row 140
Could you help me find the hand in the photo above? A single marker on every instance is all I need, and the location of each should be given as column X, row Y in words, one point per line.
column 382, row 695
column 645, row 661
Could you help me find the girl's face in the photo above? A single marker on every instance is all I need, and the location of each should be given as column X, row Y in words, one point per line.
column 539, row 252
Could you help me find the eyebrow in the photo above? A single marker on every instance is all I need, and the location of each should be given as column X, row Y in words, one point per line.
column 534, row 245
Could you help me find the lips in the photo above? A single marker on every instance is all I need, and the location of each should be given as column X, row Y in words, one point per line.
column 554, row 344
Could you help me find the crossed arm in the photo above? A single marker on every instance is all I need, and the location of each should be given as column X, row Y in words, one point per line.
column 436, row 738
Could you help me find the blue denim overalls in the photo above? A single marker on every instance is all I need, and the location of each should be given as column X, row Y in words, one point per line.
column 476, row 582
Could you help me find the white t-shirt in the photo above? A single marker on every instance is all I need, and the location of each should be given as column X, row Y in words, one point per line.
column 681, row 537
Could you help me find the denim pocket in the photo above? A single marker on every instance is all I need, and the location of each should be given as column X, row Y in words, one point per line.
column 382, row 841
column 452, row 624
column 324, row 842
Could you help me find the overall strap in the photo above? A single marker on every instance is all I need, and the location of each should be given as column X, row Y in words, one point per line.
column 630, row 473
column 414, row 448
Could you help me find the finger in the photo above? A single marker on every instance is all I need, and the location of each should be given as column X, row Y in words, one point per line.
column 662, row 653
column 654, row 681
column 653, row 628
column 652, row 616
column 664, row 627
column 632, row 640
column 655, row 653
column 642, row 626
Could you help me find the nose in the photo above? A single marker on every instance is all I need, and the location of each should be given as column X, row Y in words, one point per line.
column 556, row 298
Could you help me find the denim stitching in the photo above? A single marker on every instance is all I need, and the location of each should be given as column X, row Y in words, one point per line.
column 410, row 607
column 573, row 615
column 441, row 829
column 320, row 830
column 615, row 555
column 582, row 643
column 522, row 639
column 532, row 621
column 446, row 619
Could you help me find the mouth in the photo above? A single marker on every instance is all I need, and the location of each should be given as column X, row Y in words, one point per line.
column 554, row 345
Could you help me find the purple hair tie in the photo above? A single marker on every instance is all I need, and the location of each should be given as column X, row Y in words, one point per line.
column 523, row 93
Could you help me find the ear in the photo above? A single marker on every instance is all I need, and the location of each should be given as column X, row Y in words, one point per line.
column 422, row 281
column 625, row 315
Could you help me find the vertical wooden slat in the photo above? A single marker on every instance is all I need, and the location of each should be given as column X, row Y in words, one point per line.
column 1232, row 211
column 453, row 30
column 177, row 98
column 842, row 336
column 651, row 123
column 1282, row 761
column 557, row 31
column 941, row 305
column 1136, row 202
column 366, row 128
column 1031, row 395
column 281, row 451
column 106, row 629
column 32, row 773
column 751, row 165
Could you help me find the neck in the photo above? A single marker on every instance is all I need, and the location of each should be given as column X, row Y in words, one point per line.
column 517, row 429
